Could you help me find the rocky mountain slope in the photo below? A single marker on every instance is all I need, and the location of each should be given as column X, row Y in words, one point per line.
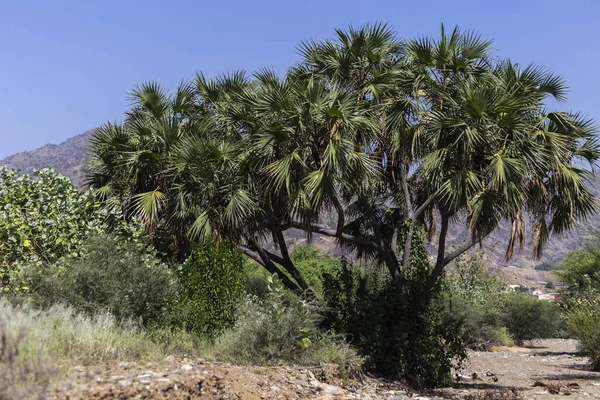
column 69, row 157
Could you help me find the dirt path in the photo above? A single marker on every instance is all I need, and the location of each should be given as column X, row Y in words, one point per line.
column 546, row 370
column 551, row 369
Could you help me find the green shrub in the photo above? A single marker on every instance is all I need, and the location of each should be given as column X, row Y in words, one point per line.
column 548, row 267
column 257, row 280
column 503, row 337
column 111, row 275
column 211, row 286
column 529, row 318
column 481, row 322
column 269, row 331
column 582, row 269
column 282, row 329
column 583, row 321
column 472, row 280
column 476, row 296
column 313, row 265
column 383, row 322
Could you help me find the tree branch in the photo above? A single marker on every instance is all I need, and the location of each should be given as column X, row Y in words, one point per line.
column 388, row 254
column 266, row 262
column 424, row 206
column 287, row 263
column 466, row 246
column 332, row 233
column 340, row 212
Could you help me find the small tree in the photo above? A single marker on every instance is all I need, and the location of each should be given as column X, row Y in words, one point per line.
column 42, row 218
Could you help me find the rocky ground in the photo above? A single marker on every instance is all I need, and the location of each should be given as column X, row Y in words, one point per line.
column 549, row 369
column 545, row 369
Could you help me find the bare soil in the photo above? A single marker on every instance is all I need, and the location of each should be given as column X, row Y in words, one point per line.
column 545, row 369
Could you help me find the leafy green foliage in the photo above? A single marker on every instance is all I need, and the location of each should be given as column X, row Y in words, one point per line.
column 491, row 314
column 121, row 277
column 529, row 318
column 257, row 280
column 476, row 296
column 583, row 319
column 42, row 218
column 582, row 269
column 473, row 281
column 211, row 286
column 313, row 265
column 275, row 329
column 581, row 275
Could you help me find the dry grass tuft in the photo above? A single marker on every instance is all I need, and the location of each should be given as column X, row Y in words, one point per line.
column 24, row 372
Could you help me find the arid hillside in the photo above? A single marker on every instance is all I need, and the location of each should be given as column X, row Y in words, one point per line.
column 67, row 158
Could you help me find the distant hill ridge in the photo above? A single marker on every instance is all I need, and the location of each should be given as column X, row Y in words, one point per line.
column 69, row 158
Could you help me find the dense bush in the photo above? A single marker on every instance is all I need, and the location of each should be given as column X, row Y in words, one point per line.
column 271, row 330
column 383, row 321
column 472, row 280
column 257, row 280
column 476, row 296
column 494, row 316
column 529, row 318
column 583, row 320
column 308, row 259
column 211, row 286
column 123, row 278
column 482, row 323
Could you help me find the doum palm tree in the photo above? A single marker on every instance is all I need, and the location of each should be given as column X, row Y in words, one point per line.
column 388, row 136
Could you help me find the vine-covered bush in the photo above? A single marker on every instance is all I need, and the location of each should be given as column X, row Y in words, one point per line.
column 399, row 338
column 211, row 284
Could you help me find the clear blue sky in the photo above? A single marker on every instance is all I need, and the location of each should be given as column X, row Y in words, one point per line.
column 66, row 66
